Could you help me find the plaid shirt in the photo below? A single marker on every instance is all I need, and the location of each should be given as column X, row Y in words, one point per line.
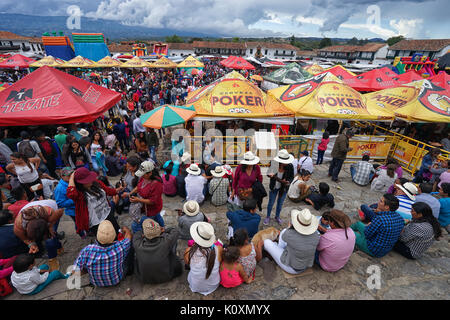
column 218, row 188
column 104, row 264
column 418, row 236
column 383, row 232
column 362, row 173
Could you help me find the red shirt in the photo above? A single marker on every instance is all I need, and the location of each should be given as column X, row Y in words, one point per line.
column 323, row 144
column 151, row 191
column 17, row 206
column 47, row 147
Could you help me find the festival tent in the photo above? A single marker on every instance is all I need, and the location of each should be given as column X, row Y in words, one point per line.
column 135, row 63
column 290, row 73
column 326, row 96
column 79, row 62
column 234, row 62
column 167, row 116
column 108, row 62
column 373, row 80
column 314, row 69
column 190, row 62
column 164, row 63
column 233, row 96
column 407, row 77
column 48, row 61
column 49, row 96
column 340, row 72
column 4, row 85
column 267, row 63
column 16, row 61
column 58, row 47
column 425, row 100
column 90, row 45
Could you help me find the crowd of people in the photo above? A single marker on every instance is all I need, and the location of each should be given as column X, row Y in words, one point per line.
column 51, row 172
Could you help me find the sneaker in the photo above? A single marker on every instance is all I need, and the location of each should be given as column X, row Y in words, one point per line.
column 279, row 220
column 266, row 221
column 361, row 215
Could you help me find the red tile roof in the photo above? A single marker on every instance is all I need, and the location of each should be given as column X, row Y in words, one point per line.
column 371, row 47
column 271, row 45
column 219, row 45
column 6, row 35
column 421, row 45
column 181, row 46
column 120, row 48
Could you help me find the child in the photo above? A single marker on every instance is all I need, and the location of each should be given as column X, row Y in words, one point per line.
column 322, row 147
column 232, row 273
column 249, row 254
column 324, row 222
column 28, row 279
column 169, row 181
column 299, row 189
column 318, row 200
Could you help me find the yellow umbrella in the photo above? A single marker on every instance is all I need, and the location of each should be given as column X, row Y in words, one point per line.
column 234, row 96
column 190, row 62
column 135, row 63
column 256, row 77
column 425, row 100
column 79, row 62
column 326, row 96
column 108, row 62
column 314, row 69
column 48, row 61
column 164, row 63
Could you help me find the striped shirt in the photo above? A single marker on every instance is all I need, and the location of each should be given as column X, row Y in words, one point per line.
column 383, row 232
column 418, row 237
column 104, row 264
column 404, row 207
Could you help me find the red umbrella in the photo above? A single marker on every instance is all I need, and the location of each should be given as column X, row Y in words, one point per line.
column 407, row 77
column 373, row 80
column 49, row 96
column 16, row 60
column 233, row 62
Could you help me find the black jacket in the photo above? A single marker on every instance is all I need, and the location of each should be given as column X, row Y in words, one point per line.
column 288, row 175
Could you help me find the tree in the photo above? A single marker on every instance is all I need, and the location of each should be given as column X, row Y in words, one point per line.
column 195, row 39
column 293, row 40
column 235, row 39
column 174, row 39
column 393, row 40
column 325, row 42
column 353, row 41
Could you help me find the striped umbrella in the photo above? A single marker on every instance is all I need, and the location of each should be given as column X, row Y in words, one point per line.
column 167, row 116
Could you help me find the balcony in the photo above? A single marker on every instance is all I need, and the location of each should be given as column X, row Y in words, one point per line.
column 10, row 48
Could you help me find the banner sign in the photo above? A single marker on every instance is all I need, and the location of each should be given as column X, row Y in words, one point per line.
column 375, row 149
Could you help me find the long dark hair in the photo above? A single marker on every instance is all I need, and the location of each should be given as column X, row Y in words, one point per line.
column 239, row 237
column 168, row 171
column 95, row 189
column 208, row 253
column 427, row 216
column 155, row 175
column 101, row 141
column 22, row 156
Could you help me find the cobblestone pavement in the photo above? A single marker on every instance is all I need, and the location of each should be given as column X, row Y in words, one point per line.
column 427, row 278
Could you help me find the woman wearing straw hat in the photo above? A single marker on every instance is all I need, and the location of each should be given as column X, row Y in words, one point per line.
column 219, row 186
column 204, row 259
column 279, row 183
column 297, row 244
column 246, row 174
column 336, row 244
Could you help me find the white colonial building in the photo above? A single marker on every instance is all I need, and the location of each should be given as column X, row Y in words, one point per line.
column 28, row 46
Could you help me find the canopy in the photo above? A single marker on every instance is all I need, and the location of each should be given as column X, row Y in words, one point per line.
column 314, row 69
column 49, row 96
column 256, row 77
column 48, row 61
column 108, row 62
column 340, row 72
column 190, row 62
column 163, row 63
column 291, row 73
column 407, row 77
column 136, row 63
column 427, row 100
column 167, row 116
column 325, row 96
column 373, row 80
column 236, row 97
column 444, row 62
column 234, row 62
column 79, row 62
column 4, row 85
column 16, row 61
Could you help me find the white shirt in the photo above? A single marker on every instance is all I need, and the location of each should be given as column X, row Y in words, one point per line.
column 306, row 163
column 196, row 276
column 194, row 187
column 294, row 190
column 98, row 209
column 26, row 282
column 137, row 126
column 33, row 144
column 295, row 165
column 44, row 203
column 25, row 175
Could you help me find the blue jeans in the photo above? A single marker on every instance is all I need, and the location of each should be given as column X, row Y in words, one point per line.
column 316, row 258
column 353, row 172
column 53, row 244
column 320, row 154
column 152, row 152
column 54, row 275
column 272, row 196
column 135, row 227
column 335, row 168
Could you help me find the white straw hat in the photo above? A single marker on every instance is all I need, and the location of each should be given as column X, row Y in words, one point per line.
column 203, row 234
column 304, row 222
column 284, row 157
column 83, row 132
column 409, row 189
column 218, row 172
column 194, row 169
column 250, row 158
column 105, row 232
column 191, row 208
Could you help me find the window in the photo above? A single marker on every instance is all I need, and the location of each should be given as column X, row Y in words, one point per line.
column 251, row 51
column 276, row 52
column 265, row 52
column 284, row 51
column 292, row 52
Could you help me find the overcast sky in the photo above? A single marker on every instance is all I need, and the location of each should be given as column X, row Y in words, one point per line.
column 259, row 18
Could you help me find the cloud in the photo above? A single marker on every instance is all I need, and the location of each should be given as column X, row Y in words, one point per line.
column 408, row 28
